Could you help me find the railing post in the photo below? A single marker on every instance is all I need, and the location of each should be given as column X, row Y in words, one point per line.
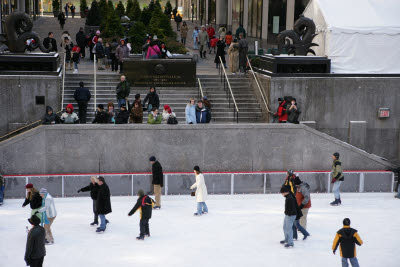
column 94, row 71
column 166, row 185
column 232, row 183
column 63, row 85
column 329, row 182
column 361, row 189
column 132, row 184
column 265, row 183
column 393, row 182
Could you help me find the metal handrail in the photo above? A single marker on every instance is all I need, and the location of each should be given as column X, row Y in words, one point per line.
column 95, row 89
column 63, row 84
column 259, row 86
column 230, row 89
column 201, row 94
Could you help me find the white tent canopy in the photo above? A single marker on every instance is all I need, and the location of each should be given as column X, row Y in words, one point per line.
column 359, row 36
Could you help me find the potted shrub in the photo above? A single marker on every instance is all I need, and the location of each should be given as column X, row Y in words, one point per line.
column 56, row 8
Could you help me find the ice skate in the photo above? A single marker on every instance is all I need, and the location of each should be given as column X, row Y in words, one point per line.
column 335, row 203
column 100, row 231
column 283, row 242
column 94, row 223
column 141, row 238
column 288, row 246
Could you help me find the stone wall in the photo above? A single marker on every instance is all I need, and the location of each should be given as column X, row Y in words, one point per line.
column 338, row 106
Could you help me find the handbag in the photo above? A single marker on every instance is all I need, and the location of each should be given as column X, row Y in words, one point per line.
column 193, row 194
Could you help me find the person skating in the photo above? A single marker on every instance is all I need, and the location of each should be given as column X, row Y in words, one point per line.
column 82, row 96
column 34, row 199
column 1, row 189
column 103, row 204
column 146, row 204
column 337, row 178
column 347, row 238
column 296, row 225
column 93, row 187
column 303, row 198
column 157, row 181
column 290, row 181
column 35, row 244
column 201, row 192
column 49, row 213
column 396, row 170
column 290, row 216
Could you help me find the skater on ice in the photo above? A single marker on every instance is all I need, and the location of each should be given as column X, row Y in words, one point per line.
column 303, row 198
column 49, row 213
column 289, row 181
column 158, row 180
column 93, row 187
column 290, row 217
column 337, row 178
column 103, row 204
column 34, row 199
column 35, row 244
column 347, row 238
column 145, row 204
column 201, row 192
column 1, row 189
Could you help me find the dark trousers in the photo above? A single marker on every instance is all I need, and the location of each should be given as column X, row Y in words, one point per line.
column 183, row 41
column 121, row 65
column 114, row 63
column 37, row 262
column 144, row 227
column 83, row 48
column 96, row 216
column 82, row 111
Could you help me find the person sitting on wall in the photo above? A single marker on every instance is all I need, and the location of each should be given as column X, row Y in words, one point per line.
column 50, row 117
column 154, row 117
column 281, row 112
column 136, row 113
column 154, row 100
column 172, row 117
column 101, row 115
column 69, row 116
column 165, row 113
column 203, row 114
column 293, row 112
column 123, row 116
column 206, row 102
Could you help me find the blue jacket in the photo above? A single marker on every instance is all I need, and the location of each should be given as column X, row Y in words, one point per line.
column 190, row 113
column 203, row 115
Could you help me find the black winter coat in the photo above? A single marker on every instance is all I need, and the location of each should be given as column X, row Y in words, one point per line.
column 153, row 99
column 122, row 117
column 93, row 188
column 82, row 94
column 50, row 43
column 50, row 119
column 157, row 171
column 103, row 203
column 35, row 244
column 35, row 203
column 144, row 203
column 290, row 205
column 220, row 52
column 100, row 50
column 81, row 39
column 293, row 114
column 101, row 117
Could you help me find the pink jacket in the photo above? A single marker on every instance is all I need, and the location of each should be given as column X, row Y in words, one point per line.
column 153, row 50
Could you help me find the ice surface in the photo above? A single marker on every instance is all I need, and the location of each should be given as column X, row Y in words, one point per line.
column 240, row 230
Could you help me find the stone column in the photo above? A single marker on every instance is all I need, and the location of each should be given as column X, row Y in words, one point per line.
column 229, row 19
column 197, row 10
column 245, row 17
column 264, row 29
column 206, row 12
column 290, row 14
column 221, row 12
column 358, row 134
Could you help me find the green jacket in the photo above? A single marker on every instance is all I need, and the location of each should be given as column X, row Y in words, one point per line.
column 123, row 90
column 152, row 120
column 337, row 172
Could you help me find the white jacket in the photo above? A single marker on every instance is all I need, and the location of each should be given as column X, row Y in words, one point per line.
column 49, row 206
column 201, row 188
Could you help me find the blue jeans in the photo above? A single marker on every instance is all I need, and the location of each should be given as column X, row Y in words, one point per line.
column 121, row 101
column 76, row 65
column 353, row 261
column 336, row 189
column 297, row 225
column 149, row 108
column 1, row 194
column 201, row 207
column 102, row 221
column 288, row 228
column 398, row 191
column 195, row 44
column 154, row 57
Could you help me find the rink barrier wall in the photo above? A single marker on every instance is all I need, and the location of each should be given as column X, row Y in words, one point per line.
column 178, row 183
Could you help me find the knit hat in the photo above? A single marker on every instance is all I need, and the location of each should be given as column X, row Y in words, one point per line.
column 196, row 168
column 346, row 221
column 97, row 32
column 280, row 99
column 166, row 107
column 337, row 155
column 43, row 191
column 101, row 178
column 169, row 110
column 137, row 96
column 100, row 106
column 140, row 193
column 297, row 181
column 29, row 186
column 152, row 158
column 70, row 106
column 290, row 172
column 34, row 220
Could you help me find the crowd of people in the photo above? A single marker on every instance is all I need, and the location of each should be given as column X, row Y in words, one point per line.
column 288, row 111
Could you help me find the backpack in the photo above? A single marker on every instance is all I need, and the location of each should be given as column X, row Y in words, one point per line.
column 172, row 120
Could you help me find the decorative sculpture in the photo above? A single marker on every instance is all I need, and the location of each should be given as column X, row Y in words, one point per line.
column 18, row 30
column 299, row 40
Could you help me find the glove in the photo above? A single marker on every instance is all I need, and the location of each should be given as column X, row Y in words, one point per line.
column 333, row 252
column 333, row 180
column 79, row 191
column 301, row 206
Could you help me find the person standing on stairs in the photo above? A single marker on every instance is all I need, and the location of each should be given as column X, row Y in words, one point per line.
column 233, row 52
column 203, row 41
column 82, row 96
column 337, row 178
column 68, row 45
column 61, row 20
column 123, row 91
column 50, row 43
column 122, row 52
column 220, row 53
column 243, row 49
column 100, row 52
column 81, row 41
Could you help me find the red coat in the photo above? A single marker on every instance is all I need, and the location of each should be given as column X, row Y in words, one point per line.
column 211, row 32
column 282, row 113
column 214, row 42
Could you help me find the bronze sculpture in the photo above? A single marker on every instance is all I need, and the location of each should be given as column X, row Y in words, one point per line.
column 299, row 40
column 18, row 27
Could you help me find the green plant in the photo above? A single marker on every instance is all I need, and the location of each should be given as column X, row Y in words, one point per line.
column 83, row 5
column 103, row 9
column 137, row 34
column 120, row 9
column 145, row 16
column 168, row 9
column 56, row 5
column 94, row 16
column 113, row 27
column 135, row 12
column 255, row 62
column 129, row 6
column 160, row 24
column 174, row 46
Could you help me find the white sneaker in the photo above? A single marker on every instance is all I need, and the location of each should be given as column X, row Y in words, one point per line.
column 75, row 71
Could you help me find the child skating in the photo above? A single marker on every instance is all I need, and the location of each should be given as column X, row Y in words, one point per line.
column 145, row 204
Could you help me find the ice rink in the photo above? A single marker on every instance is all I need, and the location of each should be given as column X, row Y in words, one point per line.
column 240, row 230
